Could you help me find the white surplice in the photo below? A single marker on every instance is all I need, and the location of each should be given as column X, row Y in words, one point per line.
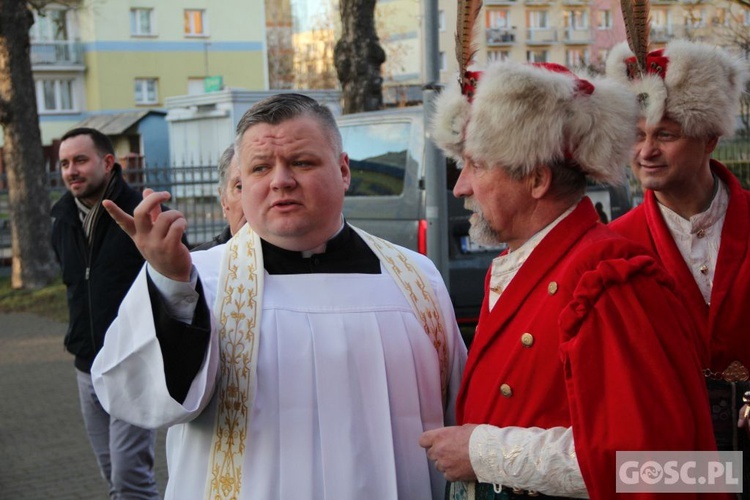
column 347, row 380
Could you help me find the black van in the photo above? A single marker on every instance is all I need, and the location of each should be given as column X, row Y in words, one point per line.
column 387, row 198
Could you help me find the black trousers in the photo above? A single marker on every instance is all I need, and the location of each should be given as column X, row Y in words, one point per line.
column 726, row 400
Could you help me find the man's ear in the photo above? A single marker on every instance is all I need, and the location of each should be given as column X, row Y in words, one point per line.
column 109, row 162
column 346, row 172
column 711, row 144
column 540, row 181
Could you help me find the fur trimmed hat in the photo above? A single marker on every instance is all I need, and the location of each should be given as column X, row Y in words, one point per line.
column 696, row 84
column 526, row 115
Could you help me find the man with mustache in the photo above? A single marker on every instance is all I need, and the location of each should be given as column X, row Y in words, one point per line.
column 99, row 263
column 580, row 338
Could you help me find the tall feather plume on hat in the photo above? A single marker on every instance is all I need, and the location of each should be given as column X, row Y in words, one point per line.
column 635, row 13
column 468, row 13
column 452, row 106
column 635, row 66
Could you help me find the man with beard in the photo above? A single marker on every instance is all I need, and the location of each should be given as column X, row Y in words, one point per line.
column 99, row 263
column 574, row 354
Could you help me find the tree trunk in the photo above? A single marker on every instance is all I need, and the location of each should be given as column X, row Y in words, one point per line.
column 34, row 264
column 358, row 57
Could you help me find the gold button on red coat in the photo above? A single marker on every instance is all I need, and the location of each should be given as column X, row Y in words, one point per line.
column 552, row 287
column 506, row 391
column 527, row 340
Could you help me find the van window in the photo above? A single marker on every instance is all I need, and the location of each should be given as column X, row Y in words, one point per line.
column 378, row 154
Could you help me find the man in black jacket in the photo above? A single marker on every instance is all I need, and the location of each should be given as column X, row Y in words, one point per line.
column 99, row 263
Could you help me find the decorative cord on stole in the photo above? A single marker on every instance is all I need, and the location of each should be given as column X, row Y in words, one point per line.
column 419, row 293
column 237, row 309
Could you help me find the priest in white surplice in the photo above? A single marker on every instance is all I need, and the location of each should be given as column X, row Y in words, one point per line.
column 304, row 358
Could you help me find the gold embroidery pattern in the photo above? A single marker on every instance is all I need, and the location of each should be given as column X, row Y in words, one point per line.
column 238, row 314
column 419, row 293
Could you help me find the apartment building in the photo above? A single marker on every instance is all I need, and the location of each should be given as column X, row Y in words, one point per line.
column 579, row 33
column 114, row 62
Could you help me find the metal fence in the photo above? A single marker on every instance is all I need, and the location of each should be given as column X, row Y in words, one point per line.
column 193, row 188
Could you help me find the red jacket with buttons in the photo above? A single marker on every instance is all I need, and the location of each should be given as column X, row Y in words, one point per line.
column 614, row 355
column 724, row 325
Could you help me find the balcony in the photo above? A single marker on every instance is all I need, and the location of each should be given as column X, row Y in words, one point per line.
column 575, row 3
column 572, row 36
column 538, row 2
column 500, row 2
column 56, row 53
column 500, row 36
column 541, row 36
column 661, row 34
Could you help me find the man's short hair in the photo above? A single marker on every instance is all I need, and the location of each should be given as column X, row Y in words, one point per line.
column 282, row 107
column 102, row 144
column 225, row 161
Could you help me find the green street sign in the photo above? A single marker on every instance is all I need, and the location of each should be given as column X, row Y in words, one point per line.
column 213, row 83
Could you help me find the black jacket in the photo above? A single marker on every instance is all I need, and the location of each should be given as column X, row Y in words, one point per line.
column 97, row 277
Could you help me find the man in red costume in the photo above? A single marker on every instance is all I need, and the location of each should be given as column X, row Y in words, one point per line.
column 695, row 217
column 582, row 348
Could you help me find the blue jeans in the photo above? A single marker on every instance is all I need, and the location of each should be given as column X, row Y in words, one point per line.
column 125, row 453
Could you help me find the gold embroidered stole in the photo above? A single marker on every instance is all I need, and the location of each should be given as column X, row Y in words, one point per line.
column 419, row 293
column 237, row 310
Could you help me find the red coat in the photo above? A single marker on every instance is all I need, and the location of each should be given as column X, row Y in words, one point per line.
column 725, row 325
column 613, row 353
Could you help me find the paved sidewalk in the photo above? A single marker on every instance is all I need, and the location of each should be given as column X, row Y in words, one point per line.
column 44, row 451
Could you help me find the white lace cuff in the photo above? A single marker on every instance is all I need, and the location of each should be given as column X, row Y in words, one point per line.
column 542, row 460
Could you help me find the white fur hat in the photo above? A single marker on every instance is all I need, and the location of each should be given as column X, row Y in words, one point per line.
column 525, row 115
column 695, row 84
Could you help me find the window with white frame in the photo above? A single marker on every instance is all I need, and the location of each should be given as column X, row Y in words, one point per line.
column 443, row 61
column 195, row 22
column 721, row 17
column 660, row 18
column 441, row 20
column 605, row 19
column 577, row 58
column 536, row 56
column 50, row 25
column 55, row 95
column 497, row 55
column 498, row 18
column 146, row 91
column 577, row 19
column 536, row 19
column 746, row 18
column 142, row 22
column 695, row 18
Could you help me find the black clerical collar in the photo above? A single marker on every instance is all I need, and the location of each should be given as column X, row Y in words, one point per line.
column 345, row 253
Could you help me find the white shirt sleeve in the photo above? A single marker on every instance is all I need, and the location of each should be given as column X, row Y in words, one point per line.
column 180, row 298
column 541, row 460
